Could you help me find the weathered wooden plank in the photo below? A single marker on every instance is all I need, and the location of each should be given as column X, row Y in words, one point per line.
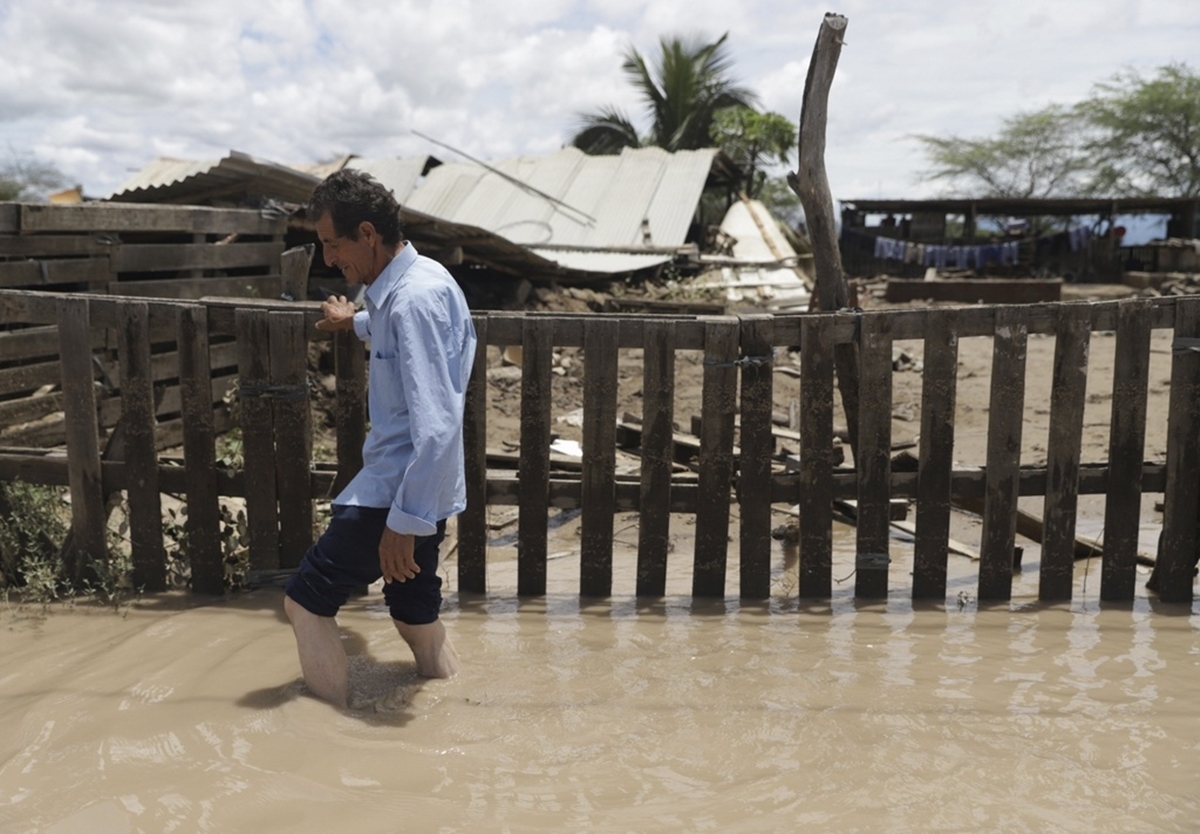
column 48, row 273
column 1126, row 450
column 1173, row 575
column 160, row 257
column 754, row 462
column 294, row 266
column 980, row 290
column 88, row 516
column 599, row 457
column 203, row 524
column 1067, row 399
column 135, row 217
column 33, row 343
column 938, row 395
column 816, row 458
column 873, row 458
column 536, row 355
column 26, row 378
column 719, row 404
column 258, row 438
column 10, row 217
column 658, row 414
column 141, row 455
column 1006, row 406
column 293, row 434
column 250, row 286
column 568, row 330
column 54, row 246
column 472, row 523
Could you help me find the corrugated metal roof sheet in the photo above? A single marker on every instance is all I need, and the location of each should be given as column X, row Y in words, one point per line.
column 399, row 175
column 643, row 198
column 169, row 180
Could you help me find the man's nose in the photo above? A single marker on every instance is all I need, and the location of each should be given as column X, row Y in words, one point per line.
column 327, row 255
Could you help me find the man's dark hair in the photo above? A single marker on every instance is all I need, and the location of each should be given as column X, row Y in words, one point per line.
column 350, row 197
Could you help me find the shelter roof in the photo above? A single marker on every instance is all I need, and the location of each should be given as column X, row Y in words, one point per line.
column 1027, row 207
column 186, row 182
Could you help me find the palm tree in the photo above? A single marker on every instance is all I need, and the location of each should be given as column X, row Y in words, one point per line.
column 682, row 92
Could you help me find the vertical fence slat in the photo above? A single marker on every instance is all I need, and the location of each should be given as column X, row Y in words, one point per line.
column 1172, row 576
column 293, row 434
column 1073, row 330
column 719, row 404
column 203, row 524
column 598, row 495
column 472, row 523
column 816, row 458
column 83, row 437
column 938, row 395
column 141, row 454
column 754, row 464
column 350, row 366
column 658, row 414
column 1005, row 415
column 873, row 457
column 258, row 435
column 1126, row 450
column 534, row 467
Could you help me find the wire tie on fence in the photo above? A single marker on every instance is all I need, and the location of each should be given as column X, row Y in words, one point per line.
column 45, row 272
column 279, row 392
column 742, row 362
column 871, row 561
column 1184, row 344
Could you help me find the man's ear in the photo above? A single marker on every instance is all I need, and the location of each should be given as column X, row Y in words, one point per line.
column 367, row 232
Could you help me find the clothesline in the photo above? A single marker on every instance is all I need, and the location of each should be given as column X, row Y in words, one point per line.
column 964, row 257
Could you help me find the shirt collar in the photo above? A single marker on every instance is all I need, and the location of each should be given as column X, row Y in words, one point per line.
column 379, row 289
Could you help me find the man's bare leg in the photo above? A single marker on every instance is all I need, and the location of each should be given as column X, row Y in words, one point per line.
column 322, row 658
column 431, row 647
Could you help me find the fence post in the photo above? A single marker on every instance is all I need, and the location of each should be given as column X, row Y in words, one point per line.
column 872, row 457
column 754, row 464
column 199, row 452
column 472, row 523
column 598, row 484
column 534, row 467
column 654, row 496
column 816, row 457
column 88, row 534
column 141, row 453
column 258, row 437
column 719, row 406
column 1172, row 576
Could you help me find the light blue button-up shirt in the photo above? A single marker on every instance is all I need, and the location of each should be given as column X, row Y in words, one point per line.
column 422, row 344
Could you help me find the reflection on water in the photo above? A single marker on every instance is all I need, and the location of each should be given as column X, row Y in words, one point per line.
column 615, row 716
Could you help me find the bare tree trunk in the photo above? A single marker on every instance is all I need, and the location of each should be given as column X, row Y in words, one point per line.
column 812, row 187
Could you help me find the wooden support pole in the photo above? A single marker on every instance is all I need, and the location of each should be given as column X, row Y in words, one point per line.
column 472, row 523
column 811, row 185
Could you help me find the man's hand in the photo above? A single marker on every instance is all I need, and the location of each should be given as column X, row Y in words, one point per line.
column 396, row 556
column 339, row 314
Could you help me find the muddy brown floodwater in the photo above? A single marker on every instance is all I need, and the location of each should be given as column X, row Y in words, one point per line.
column 613, row 716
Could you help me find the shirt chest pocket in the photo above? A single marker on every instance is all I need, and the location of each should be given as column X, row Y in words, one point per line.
column 386, row 385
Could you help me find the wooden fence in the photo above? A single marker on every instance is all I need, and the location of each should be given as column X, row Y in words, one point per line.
column 279, row 482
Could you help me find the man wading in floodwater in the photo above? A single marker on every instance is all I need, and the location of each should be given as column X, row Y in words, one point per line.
column 390, row 519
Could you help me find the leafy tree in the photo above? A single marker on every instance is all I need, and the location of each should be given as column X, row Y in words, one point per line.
column 22, row 178
column 754, row 141
column 1038, row 154
column 682, row 92
column 1145, row 138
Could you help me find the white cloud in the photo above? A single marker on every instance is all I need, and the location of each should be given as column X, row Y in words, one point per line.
column 99, row 88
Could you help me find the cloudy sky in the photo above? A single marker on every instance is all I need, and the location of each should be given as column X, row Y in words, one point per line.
column 98, row 88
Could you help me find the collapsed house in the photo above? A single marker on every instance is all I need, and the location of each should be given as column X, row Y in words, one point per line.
column 565, row 218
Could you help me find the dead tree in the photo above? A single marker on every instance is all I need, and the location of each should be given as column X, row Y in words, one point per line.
column 812, row 187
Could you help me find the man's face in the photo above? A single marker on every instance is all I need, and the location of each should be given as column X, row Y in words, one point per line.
column 355, row 258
